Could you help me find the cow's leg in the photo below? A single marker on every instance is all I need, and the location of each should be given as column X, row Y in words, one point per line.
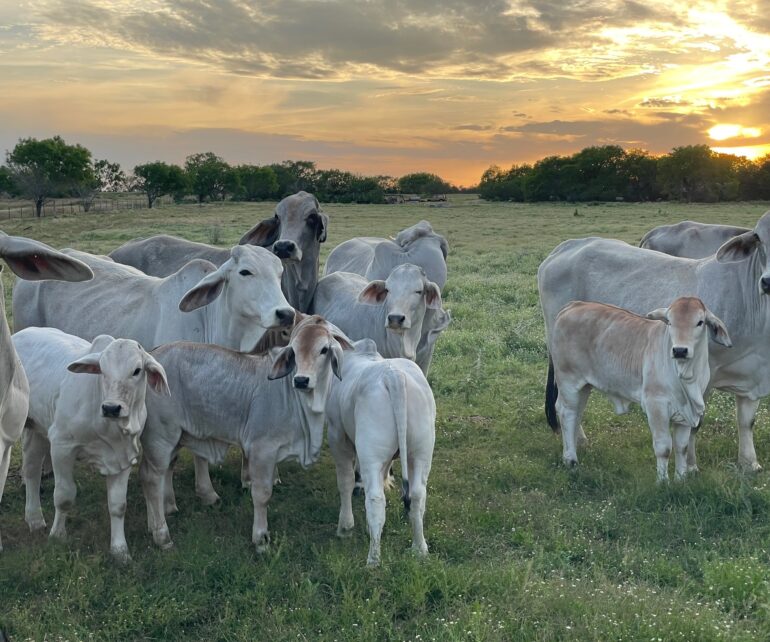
column 373, row 474
column 681, row 441
column 203, row 486
column 65, row 491
column 570, row 406
column 47, row 468
column 34, row 451
column 418, row 483
column 262, row 471
column 152, row 473
column 746, row 409
column 657, row 417
column 169, row 496
column 344, row 454
column 117, row 487
column 5, row 460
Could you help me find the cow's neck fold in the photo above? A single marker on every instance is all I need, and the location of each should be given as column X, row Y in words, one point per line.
column 299, row 279
column 9, row 363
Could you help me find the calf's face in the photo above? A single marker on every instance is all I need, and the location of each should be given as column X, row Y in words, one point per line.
column 405, row 294
column 124, row 370
column 313, row 354
column 689, row 324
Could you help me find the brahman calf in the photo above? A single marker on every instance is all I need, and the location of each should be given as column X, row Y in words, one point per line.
column 97, row 419
column 222, row 398
column 381, row 408
column 662, row 366
column 391, row 312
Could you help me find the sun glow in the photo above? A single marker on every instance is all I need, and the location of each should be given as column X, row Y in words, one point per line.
column 728, row 130
column 751, row 152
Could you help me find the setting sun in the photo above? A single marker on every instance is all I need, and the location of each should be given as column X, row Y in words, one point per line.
column 723, row 132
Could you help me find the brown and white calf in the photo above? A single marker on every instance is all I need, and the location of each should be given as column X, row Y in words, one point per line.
column 659, row 362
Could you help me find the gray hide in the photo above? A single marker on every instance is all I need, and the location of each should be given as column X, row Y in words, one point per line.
column 689, row 239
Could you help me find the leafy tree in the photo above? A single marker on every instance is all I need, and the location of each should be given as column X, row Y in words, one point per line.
column 256, row 183
column 109, row 176
column 158, row 178
column 44, row 168
column 498, row 184
column 7, row 186
column 209, row 176
column 686, row 173
column 294, row 176
column 423, row 183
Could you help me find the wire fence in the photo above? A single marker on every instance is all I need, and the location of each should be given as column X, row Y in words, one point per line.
column 59, row 207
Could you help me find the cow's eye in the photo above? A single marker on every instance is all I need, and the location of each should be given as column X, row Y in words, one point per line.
column 245, row 273
column 418, row 292
column 700, row 323
column 137, row 371
column 324, row 350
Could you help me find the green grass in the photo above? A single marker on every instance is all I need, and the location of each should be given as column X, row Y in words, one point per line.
column 521, row 549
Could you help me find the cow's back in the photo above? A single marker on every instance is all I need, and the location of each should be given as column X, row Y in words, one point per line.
column 354, row 255
column 162, row 255
column 689, row 239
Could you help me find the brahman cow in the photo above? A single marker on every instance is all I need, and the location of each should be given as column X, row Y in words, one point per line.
column 689, row 239
column 391, row 312
column 380, row 408
column 661, row 366
column 733, row 284
column 29, row 260
column 222, row 398
column 374, row 258
column 294, row 234
column 96, row 419
column 231, row 305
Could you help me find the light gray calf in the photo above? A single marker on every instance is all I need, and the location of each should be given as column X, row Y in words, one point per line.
column 632, row 359
column 33, row 261
column 224, row 398
column 98, row 419
column 381, row 407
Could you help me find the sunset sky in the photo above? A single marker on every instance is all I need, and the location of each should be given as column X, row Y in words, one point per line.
column 384, row 86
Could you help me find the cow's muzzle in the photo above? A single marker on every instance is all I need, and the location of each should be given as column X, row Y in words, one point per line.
column 285, row 317
column 301, row 383
column 111, row 410
column 680, row 353
column 396, row 321
column 764, row 282
column 287, row 251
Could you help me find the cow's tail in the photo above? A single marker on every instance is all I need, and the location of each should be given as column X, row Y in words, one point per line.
column 551, row 395
column 395, row 382
column 645, row 239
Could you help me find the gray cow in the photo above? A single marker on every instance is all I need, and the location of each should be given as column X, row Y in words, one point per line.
column 392, row 312
column 375, row 258
column 222, row 398
column 689, row 239
column 733, row 284
column 231, row 305
column 33, row 261
column 294, row 234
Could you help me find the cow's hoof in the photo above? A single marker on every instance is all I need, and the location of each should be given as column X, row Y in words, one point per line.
column 209, row 499
column 162, row 538
column 345, row 532
column 372, row 562
column 59, row 535
column 571, row 464
column 420, row 551
column 36, row 524
column 121, row 555
column 693, row 470
column 751, row 467
column 262, row 543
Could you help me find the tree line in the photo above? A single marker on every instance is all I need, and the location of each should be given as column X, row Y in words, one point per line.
column 42, row 169
column 610, row 173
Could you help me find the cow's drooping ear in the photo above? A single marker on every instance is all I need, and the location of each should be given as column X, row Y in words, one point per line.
column 264, row 233
column 156, row 376
column 340, row 337
column 34, row 261
column 432, row 295
column 718, row 330
column 738, row 248
column 88, row 364
column 206, row 290
column 337, row 357
column 283, row 365
column 661, row 314
column 321, row 226
column 374, row 293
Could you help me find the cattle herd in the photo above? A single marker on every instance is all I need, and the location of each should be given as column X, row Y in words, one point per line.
column 207, row 339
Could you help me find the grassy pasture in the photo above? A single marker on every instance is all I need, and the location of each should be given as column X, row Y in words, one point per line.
column 521, row 549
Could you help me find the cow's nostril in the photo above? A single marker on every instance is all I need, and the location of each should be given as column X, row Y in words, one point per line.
column 111, row 409
column 301, row 382
column 396, row 319
column 680, row 353
column 285, row 316
column 284, row 249
column 765, row 281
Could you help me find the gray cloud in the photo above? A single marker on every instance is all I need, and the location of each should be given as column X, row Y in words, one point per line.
column 472, row 128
